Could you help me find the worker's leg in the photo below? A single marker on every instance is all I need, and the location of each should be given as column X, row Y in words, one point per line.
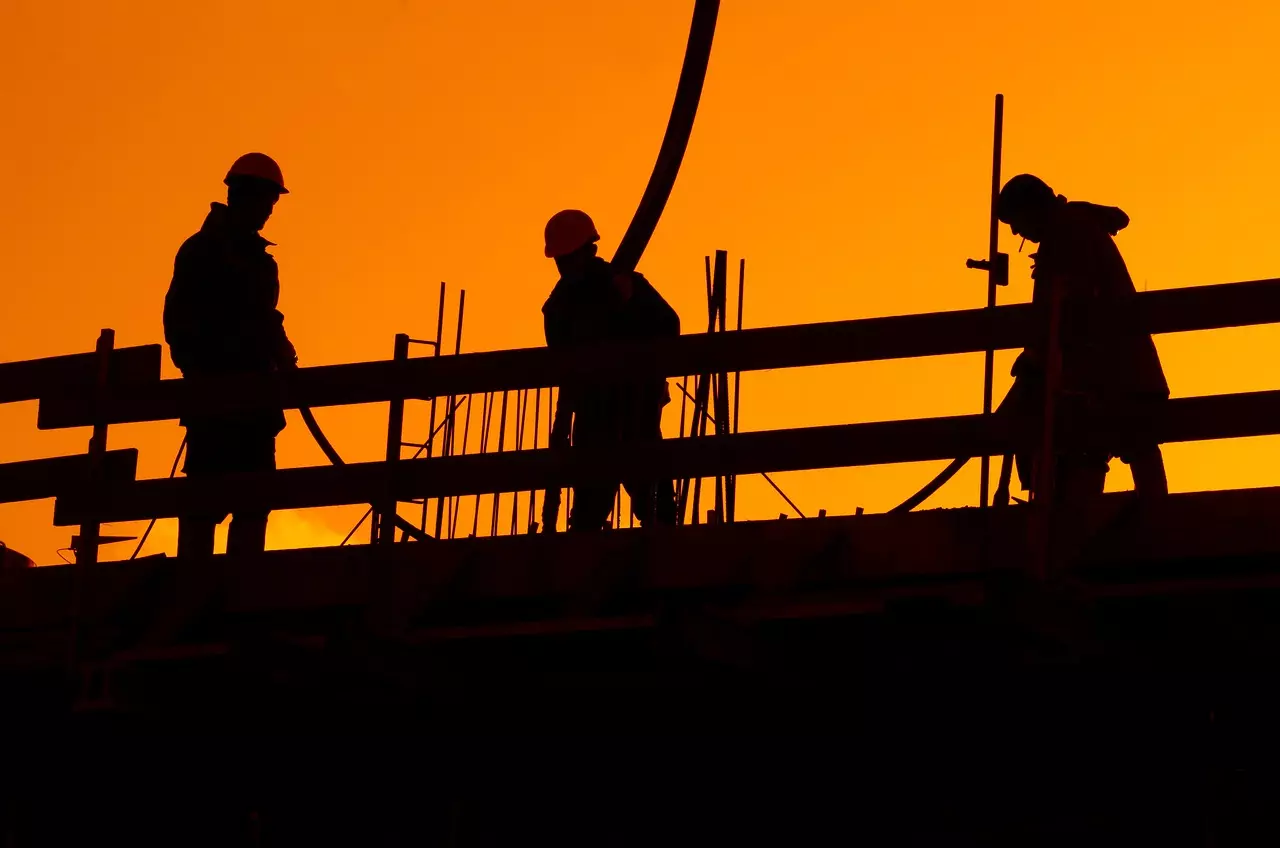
column 247, row 534
column 652, row 502
column 195, row 532
column 591, row 507
column 254, row 451
column 1081, row 479
column 195, row 537
column 1147, row 465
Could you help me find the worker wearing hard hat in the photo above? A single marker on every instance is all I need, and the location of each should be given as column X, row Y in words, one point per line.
column 593, row 304
column 220, row 318
column 1109, row 365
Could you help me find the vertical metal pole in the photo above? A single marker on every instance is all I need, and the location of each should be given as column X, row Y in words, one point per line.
column 484, row 447
column 453, row 402
column 720, row 290
column 87, row 550
column 502, row 436
column 533, row 493
column 521, row 412
column 737, row 390
column 680, row 484
column 466, row 435
column 431, row 430
column 993, row 279
column 385, row 526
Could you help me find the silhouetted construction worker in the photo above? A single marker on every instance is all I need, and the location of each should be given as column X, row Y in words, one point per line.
column 591, row 304
column 1109, row 366
column 220, row 318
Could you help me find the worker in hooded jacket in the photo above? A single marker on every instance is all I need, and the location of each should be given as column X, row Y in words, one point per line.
column 1109, row 368
column 220, row 318
column 592, row 304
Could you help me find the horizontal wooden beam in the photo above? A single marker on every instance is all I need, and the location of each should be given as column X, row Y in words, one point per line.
column 77, row 373
column 34, row 479
column 809, row 448
column 862, row 340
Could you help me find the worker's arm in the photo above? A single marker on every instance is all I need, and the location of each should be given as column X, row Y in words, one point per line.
column 556, row 334
column 186, row 316
column 282, row 352
column 655, row 314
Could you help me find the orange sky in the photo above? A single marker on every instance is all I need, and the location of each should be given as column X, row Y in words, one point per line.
column 843, row 148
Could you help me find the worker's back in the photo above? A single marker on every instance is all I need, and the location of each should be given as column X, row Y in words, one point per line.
column 1104, row 352
column 595, row 308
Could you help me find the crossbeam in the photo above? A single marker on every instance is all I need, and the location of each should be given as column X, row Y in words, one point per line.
column 861, row 340
column 801, row 449
column 76, row 373
column 35, row 479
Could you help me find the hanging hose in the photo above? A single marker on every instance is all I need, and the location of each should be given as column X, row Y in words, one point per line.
column 172, row 472
column 932, row 486
column 336, row 459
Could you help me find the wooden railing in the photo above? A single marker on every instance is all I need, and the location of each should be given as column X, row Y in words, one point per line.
column 140, row 395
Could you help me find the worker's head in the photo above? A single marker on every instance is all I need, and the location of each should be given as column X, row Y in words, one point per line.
column 1026, row 204
column 570, row 238
column 254, row 184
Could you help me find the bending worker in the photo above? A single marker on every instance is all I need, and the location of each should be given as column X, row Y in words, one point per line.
column 1110, row 370
column 592, row 304
column 220, row 318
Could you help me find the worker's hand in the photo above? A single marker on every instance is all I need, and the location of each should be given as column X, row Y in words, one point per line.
column 288, row 357
column 623, row 286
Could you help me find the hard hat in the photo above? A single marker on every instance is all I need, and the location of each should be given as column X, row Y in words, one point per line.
column 260, row 166
column 568, row 231
column 1020, row 192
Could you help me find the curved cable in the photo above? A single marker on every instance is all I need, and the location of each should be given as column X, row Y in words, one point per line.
column 684, row 109
column 932, row 486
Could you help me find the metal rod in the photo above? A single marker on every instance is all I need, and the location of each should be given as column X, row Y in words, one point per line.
column 533, row 493
column 737, row 390
column 993, row 248
column 432, row 437
column 484, row 445
column 466, row 435
column 778, row 489
column 720, row 287
column 522, row 411
column 502, row 438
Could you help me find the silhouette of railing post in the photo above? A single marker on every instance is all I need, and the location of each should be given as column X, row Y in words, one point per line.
column 384, row 526
column 88, row 541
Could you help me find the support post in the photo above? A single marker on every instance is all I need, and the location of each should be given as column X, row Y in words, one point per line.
column 384, row 527
column 90, row 534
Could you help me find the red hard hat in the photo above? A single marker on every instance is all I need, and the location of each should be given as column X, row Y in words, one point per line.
column 567, row 231
column 260, row 166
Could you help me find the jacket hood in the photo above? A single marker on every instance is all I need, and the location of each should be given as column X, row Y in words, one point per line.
column 1110, row 218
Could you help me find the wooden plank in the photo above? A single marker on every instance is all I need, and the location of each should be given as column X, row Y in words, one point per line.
column 861, row 340
column 34, row 479
column 75, row 373
column 802, row 449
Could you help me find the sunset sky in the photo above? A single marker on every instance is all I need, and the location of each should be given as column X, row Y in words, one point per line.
column 842, row 148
